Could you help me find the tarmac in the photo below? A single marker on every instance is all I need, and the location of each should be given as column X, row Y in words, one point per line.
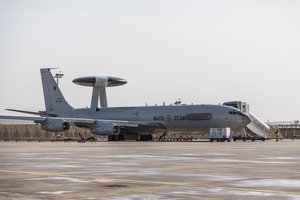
column 150, row 170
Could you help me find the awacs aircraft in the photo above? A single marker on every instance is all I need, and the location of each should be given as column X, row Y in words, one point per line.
column 120, row 122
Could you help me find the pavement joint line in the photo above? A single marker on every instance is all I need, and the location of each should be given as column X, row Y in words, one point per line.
column 184, row 184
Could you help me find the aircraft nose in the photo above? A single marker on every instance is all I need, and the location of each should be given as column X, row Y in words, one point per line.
column 246, row 120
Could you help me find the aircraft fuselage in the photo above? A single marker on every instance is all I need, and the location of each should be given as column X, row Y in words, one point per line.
column 174, row 117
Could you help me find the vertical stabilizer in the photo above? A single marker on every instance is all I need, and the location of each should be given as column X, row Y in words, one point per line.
column 54, row 100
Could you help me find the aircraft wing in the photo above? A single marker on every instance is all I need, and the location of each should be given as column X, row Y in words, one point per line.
column 132, row 126
column 140, row 126
column 34, row 119
column 74, row 121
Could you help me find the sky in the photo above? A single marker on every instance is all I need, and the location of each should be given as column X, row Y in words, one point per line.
column 201, row 51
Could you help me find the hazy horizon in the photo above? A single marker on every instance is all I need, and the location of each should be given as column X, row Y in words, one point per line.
column 203, row 52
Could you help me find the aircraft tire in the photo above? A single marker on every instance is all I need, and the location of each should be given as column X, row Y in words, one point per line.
column 114, row 138
column 121, row 137
column 146, row 137
column 110, row 138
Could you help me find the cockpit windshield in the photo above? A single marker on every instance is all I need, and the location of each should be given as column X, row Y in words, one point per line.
column 236, row 112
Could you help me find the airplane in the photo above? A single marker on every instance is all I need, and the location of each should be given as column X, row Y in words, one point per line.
column 119, row 123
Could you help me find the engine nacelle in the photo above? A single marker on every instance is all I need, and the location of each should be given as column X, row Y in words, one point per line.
column 106, row 128
column 55, row 125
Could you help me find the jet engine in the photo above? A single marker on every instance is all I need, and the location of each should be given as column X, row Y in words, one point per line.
column 106, row 128
column 55, row 125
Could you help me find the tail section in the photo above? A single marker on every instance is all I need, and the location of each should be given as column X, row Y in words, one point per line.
column 54, row 100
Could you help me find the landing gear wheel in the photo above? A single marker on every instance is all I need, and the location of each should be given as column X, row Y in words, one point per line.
column 144, row 137
column 116, row 137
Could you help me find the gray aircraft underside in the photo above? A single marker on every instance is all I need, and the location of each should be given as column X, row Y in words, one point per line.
column 59, row 115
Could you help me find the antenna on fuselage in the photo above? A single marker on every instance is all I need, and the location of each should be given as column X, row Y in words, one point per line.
column 58, row 76
column 178, row 102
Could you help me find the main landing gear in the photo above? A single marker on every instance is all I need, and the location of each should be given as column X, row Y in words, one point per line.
column 136, row 137
column 116, row 137
column 144, row 138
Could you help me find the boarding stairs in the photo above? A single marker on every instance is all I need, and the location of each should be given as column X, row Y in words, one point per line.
column 258, row 127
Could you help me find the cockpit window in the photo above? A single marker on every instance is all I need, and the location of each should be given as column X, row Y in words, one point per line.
column 232, row 112
column 236, row 112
